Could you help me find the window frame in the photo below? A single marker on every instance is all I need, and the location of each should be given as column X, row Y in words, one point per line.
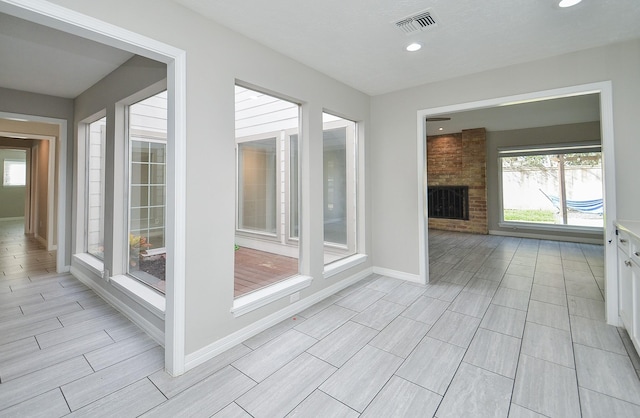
column 4, row 172
column 251, row 233
column 80, row 254
column 543, row 149
column 145, row 289
column 86, row 167
column 352, row 189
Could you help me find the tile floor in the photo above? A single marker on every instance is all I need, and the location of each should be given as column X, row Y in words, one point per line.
column 507, row 328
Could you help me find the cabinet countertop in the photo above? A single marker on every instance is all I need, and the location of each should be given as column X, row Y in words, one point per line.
column 632, row 227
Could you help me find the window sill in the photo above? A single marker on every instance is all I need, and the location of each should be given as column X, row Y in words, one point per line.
column 262, row 297
column 143, row 295
column 551, row 227
column 91, row 263
column 341, row 265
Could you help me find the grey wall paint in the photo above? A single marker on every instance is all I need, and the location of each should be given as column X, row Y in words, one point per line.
column 216, row 58
column 559, row 134
column 394, row 135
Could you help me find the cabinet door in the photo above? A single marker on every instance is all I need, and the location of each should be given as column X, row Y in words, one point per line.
column 634, row 329
column 625, row 288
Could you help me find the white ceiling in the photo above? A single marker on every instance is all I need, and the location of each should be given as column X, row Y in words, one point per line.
column 354, row 41
column 359, row 46
column 42, row 60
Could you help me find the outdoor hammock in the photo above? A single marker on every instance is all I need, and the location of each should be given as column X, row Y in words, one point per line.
column 586, row 206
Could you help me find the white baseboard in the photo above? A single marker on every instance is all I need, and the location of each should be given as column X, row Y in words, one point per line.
column 208, row 352
column 549, row 237
column 123, row 308
column 42, row 241
column 395, row 274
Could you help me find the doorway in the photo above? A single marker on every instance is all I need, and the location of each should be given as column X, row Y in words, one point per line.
column 607, row 142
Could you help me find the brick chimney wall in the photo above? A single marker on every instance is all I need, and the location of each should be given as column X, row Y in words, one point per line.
column 460, row 160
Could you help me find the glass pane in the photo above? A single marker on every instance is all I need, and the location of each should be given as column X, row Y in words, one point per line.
column 139, row 173
column 139, row 219
column 139, row 151
column 339, row 187
column 258, row 191
column 563, row 189
column 95, row 188
column 266, row 204
column 147, row 190
column 157, row 152
column 139, row 196
column 156, row 196
column 293, row 187
column 584, row 190
column 335, row 186
column 156, row 174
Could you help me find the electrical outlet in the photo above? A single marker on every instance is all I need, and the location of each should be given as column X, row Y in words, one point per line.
column 294, row 297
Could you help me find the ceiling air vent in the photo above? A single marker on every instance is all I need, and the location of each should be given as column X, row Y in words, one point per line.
column 417, row 22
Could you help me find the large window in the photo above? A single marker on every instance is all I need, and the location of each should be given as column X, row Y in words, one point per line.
column 15, row 173
column 267, row 215
column 147, row 190
column 339, row 187
column 94, row 204
column 560, row 185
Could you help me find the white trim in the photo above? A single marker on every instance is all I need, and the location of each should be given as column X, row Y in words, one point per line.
column 339, row 266
column 534, row 235
column 51, row 194
column 423, row 223
column 122, row 307
column 52, row 15
column 41, row 240
column 395, row 274
column 608, row 161
column 91, row 263
column 24, row 136
column 604, row 88
column 208, row 352
column 532, row 226
column 254, row 300
column 143, row 295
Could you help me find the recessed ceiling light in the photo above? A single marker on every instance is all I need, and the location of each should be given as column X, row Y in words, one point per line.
column 441, row 128
column 568, row 3
column 414, row 47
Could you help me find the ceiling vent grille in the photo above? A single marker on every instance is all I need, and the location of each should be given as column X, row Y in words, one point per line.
column 417, row 22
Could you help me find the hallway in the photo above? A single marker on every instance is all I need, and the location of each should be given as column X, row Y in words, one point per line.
column 20, row 255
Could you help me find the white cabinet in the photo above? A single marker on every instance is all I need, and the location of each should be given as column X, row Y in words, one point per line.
column 628, row 242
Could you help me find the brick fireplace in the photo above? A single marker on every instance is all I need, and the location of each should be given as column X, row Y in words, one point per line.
column 460, row 160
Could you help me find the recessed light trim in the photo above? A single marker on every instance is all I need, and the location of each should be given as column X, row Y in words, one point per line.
column 568, row 3
column 413, row 47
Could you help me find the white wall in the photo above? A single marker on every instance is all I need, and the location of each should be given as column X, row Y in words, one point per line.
column 216, row 58
column 393, row 142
